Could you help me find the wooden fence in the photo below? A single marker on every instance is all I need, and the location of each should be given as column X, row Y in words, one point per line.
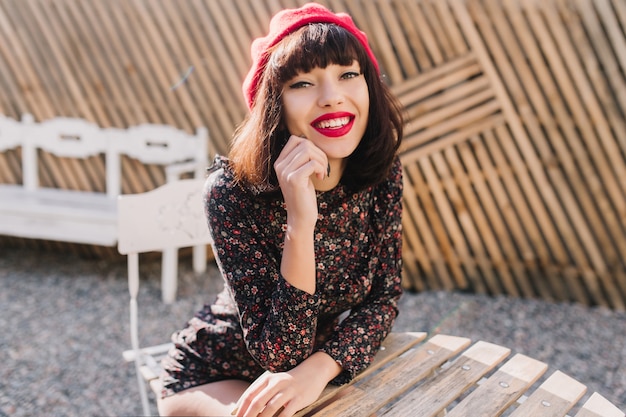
column 515, row 155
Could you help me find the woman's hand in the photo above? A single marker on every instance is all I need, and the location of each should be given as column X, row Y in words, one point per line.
column 285, row 393
column 299, row 160
column 278, row 394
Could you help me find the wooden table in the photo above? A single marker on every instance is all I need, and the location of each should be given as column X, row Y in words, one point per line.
column 448, row 375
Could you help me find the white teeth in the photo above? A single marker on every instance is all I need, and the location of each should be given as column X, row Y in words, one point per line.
column 333, row 123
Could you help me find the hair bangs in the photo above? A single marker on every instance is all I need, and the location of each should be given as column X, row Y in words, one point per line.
column 316, row 46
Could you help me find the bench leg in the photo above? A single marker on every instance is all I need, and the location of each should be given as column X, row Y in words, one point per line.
column 199, row 258
column 169, row 275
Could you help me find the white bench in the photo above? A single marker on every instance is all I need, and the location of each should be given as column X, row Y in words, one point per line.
column 29, row 210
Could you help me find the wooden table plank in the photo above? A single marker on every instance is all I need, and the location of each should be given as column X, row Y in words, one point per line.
column 438, row 392
column 502, row 389
column 598, row 406
column 554, row 398
column 382, row 388
column 393, row 346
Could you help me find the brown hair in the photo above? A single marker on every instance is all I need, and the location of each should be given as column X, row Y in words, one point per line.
column 257, row 142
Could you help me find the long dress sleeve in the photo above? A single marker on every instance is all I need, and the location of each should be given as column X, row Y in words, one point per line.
column 278, row 320
column 356, row 340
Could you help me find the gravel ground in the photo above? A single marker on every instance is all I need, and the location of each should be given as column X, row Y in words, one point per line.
column 64, row 325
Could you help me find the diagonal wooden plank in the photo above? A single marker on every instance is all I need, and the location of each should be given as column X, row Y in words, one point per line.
column 434, row 395
column 502, row 389
column 466, row 212
column 396, row 344
column 442, row 250
column 398, row 39
column 416, row 230
column 438, row 28
column 427, row 36
column 374, row 392
column 457, row 40
column 490, row 229
column 408, row 20
column 555, row 397
column 121, row 72
column 448, row 218
column 54, row 63
column 598, row 406
column 21, row 53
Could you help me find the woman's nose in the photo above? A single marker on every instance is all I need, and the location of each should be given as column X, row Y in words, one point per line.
column 330, row 94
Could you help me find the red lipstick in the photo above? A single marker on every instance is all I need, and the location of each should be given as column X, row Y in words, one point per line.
column 334, row 125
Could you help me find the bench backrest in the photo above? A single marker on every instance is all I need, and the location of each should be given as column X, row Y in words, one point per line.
column 153, row 144
column 10, row 133
column 78, row 138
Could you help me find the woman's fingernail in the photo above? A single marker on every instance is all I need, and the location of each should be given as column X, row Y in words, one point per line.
column 234, row 412
column 328, row 170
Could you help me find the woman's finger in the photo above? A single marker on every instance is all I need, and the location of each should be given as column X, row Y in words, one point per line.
column 249, row 394
column 274, row 405
column 297, row 145
column 301, row 156
column 265, row 403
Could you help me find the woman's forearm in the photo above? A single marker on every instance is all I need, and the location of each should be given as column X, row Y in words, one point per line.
column 298, row 260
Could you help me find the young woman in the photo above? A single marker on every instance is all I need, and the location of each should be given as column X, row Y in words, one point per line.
column 306, row 218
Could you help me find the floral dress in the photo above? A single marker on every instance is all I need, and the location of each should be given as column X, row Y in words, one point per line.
column 260, row 322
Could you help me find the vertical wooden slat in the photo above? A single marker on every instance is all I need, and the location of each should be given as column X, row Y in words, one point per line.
column 510, row 203
column 440, row 248
column 507, row 228
column 447, row 166
column 604, row 117
column 480, row 205
column 450, row 228
column 402, row 52
column 418, row 271
column 439, row 29
column 457, row 40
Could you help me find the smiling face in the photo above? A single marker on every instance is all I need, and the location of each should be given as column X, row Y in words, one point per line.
column 328, row 106
column 295, row 96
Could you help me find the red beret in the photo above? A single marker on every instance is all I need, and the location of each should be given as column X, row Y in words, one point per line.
column 285, row 22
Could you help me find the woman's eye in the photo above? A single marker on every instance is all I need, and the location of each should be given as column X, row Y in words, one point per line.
column 350, row 74
column 299, row 84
